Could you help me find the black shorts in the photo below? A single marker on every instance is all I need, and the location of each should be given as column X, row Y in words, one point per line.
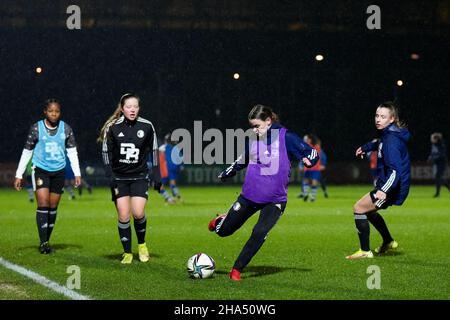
column 382, row 204
column 54, row 181
column 130, row 188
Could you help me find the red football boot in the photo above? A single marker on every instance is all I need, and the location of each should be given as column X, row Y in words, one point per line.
column 213, row 223
column 235, row 275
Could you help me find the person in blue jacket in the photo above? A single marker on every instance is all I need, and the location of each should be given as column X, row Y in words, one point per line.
column 392, row 187
column 438, row 156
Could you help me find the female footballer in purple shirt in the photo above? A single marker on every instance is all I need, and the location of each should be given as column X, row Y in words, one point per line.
column 268, row 157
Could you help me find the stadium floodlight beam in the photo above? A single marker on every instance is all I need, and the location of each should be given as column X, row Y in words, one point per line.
column 236, row 76
column 319, row 57
column 399, row 83
column 38, row 70
column 415, row 56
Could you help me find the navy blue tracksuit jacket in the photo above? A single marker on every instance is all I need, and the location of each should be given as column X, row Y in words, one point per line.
column 393, row 164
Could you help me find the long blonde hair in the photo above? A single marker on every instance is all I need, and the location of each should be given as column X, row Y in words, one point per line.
column 394, row 113
column 116, row 115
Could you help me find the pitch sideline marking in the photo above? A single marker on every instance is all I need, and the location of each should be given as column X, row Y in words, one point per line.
column 43, row 280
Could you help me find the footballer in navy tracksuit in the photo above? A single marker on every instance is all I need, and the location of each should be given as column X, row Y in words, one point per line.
column 392, row 186
column 393, row 166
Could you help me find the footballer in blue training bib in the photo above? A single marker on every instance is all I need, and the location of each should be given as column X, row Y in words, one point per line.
column 49, row 153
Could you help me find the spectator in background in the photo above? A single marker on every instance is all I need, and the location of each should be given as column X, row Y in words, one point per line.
column 438, row 157
column 171, row 160
column 313, row 174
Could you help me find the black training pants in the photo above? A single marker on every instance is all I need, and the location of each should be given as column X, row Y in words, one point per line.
column 240, row 212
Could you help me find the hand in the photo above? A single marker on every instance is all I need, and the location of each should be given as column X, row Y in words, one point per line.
column 113, row 184
column 157, row 186
column 18, row 184
column 225, row 174
column 221, row 176
column 77, row 181
column 307, row 162
column 380, row 195
column 360, row 153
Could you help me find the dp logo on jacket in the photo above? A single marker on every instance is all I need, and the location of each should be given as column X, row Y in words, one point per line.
column 130, row 151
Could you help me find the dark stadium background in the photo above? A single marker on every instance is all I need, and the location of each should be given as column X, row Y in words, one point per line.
column 180, row 57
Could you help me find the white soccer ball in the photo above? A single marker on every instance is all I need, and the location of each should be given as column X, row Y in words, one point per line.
column 90, row 170
column 201, row 266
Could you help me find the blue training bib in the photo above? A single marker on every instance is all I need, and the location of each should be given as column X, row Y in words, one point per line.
column 49, row 153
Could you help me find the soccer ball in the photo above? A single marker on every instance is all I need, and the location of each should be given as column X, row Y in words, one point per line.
column 90, row 170
column 201, row 266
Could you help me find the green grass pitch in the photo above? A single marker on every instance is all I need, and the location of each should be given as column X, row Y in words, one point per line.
column 302, row 258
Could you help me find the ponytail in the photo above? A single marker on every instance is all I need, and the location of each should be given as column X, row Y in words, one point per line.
column 275, row 117
column 113, row 118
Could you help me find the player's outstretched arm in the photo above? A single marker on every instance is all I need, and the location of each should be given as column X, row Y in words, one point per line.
column 227, row 173
column 369, row 146
column 240, row 163
column 232, row 170
column 301, row 151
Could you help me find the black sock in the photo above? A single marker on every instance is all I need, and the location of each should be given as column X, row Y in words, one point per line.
column 42, row 223
column 362, row 225
column 51, row 221
column 438, row 188
column 125, row 235
column 378, row 222
column 140, row 226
